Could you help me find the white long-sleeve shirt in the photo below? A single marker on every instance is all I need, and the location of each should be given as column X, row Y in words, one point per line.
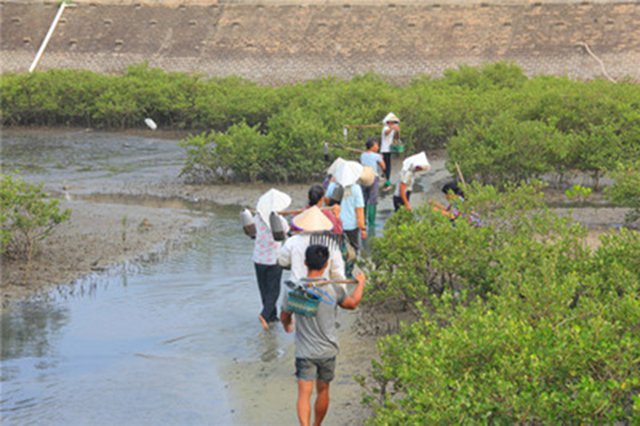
column 292, row 255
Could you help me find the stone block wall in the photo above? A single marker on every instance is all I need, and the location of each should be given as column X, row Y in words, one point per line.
column 277, row 43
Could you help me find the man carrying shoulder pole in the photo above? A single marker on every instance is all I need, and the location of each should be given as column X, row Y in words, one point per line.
column 316, row 338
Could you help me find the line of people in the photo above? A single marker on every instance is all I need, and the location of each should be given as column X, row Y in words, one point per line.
column 323, row 242
column 315, row 251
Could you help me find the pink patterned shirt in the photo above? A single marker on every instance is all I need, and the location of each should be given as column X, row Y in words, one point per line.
column 266, row 250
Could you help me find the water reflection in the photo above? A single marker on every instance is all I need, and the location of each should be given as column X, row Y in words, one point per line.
column 31, row 330
column 152, row 338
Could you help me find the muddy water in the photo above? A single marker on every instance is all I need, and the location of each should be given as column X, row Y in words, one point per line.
column 172, row 341
column 147, row 345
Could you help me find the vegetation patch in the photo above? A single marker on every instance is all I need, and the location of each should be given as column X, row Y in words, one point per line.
column 516, row 321
column 27, row 217
column 495, row 122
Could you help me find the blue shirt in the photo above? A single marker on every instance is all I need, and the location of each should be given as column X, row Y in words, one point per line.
column 371, row 159
column 351, row 200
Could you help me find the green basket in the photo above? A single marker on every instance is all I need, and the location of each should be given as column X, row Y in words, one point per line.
column 396, row 149
column 303, row 302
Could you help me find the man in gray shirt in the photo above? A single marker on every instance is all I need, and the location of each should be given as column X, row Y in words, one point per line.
column 316, row 337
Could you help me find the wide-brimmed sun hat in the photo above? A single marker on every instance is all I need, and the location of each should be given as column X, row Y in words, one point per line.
column 272, row 201
column 312, row 220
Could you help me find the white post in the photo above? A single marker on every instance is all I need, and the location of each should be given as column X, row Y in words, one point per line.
column 43, row 46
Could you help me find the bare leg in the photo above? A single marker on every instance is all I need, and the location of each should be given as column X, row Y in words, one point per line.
column 322, row 402
column 264, row 322
column 305, row 389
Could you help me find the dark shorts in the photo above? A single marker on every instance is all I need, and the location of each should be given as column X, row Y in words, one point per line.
column 316, row 369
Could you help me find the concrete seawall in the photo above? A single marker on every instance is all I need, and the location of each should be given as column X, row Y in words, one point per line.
column 276, row 42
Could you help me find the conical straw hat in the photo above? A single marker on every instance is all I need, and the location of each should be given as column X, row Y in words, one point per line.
column 368, row 176
column 272, row 201
column 333, row 168
column 312, row 220
column 349, row 173
column 390, row 117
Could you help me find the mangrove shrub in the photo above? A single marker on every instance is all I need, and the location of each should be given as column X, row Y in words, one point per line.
column 27, row 216
column 626, row 189
column 525, row 325
column 492, row 114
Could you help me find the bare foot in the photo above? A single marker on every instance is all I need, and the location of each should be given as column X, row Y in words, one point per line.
column 265, row 324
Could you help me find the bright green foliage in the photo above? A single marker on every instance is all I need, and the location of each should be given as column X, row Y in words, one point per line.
column 243, row 149
column 27, row 216
column 201, row 164
column 507, row 150
column 578, row 192
column 529, row 325
column 422, row 254
column 497, row 123
column 626, row 189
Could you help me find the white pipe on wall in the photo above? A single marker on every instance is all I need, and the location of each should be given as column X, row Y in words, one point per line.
column 43, row 46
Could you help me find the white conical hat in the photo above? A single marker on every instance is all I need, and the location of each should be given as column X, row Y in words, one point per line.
column 312, row 220
column 390, row 117
column 272, row 201
column 417, row 160
column 333, row 168
column 348, row 173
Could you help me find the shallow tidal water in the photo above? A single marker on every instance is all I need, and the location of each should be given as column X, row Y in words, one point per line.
column 170, row 341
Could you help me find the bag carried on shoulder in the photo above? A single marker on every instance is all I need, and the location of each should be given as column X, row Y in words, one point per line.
column 306, row 300
column 303, row 302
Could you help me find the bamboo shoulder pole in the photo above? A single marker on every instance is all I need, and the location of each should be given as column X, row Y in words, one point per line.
column 311, row 284
column 363, row 126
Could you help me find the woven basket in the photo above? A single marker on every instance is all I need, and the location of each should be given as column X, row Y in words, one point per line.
column 303, row 302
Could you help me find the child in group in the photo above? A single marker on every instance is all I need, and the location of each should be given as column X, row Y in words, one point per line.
column 374, row 160
column 316, row 337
